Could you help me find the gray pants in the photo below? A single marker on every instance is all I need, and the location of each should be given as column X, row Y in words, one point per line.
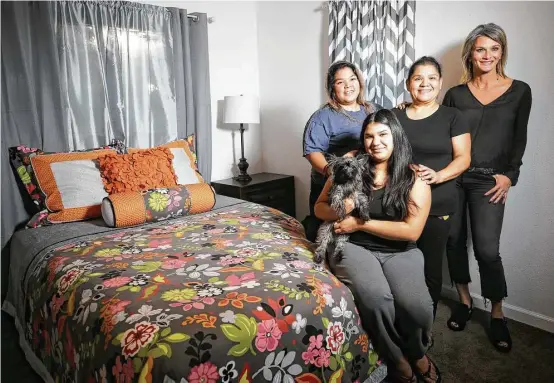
column 393, row 300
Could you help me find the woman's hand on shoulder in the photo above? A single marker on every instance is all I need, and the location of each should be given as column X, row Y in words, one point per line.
column 403, row 105
column 428, row 175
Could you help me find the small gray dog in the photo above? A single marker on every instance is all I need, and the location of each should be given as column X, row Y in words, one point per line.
column 346, row 173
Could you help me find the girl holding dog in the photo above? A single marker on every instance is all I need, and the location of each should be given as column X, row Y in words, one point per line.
column 381, row 263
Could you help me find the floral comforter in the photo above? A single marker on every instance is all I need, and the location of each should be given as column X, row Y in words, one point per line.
column 228, row 296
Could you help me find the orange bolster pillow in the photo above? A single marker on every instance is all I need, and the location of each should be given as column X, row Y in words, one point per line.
column 138, row 207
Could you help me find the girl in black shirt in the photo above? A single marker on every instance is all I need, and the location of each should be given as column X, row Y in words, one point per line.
column 497, row 109
column 381, row 264
column 441, row 146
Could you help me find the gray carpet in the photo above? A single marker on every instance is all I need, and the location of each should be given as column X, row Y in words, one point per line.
column 468, row 356
column 463, row 357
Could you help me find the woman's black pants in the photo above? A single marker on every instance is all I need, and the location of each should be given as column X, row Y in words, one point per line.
column 485, row 219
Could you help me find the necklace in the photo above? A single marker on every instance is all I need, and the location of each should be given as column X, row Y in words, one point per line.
column 350, row 117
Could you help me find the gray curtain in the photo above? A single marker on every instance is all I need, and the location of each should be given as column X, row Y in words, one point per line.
column 378, row 36
column 76, row 74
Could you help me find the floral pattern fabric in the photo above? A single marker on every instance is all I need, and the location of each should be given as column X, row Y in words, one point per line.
column 226, row 296
column 135, row 208
column 165, row 203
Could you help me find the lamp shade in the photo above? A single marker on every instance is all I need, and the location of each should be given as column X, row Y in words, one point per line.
column 242, row 109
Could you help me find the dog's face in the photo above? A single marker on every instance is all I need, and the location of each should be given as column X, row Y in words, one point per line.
column 345, row 169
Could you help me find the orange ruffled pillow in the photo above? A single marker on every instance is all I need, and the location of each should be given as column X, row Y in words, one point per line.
column 141, row 170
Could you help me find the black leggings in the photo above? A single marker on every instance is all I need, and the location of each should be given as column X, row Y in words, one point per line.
column 486, row 225
column 432, row 244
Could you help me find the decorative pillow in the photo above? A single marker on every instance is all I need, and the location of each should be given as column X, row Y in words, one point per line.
column 140, row 170
column 184, row 160
column 71, row 184
column 20, row 158
column 135, row 208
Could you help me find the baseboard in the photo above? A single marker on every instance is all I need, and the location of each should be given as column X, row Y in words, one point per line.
column 512, row 312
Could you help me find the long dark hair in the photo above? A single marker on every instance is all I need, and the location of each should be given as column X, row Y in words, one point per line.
column 401, row 177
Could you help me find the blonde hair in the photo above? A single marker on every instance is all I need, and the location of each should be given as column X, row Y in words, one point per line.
column 493, row 32
column 331, row 97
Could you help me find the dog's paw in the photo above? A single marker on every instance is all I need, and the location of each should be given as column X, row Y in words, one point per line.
column 318, row 257
column 363, row 208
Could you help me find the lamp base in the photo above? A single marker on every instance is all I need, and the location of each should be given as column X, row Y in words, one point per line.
column 243, row 177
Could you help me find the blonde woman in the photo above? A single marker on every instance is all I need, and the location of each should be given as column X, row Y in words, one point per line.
column 334, row 128
column 497, row 109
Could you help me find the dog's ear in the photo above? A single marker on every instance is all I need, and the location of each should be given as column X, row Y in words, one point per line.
column 363, row 159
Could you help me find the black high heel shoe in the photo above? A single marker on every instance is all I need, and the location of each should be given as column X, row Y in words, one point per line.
column 500, row 335
column 460, row 316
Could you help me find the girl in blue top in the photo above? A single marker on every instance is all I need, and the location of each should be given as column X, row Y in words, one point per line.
column 334, row 129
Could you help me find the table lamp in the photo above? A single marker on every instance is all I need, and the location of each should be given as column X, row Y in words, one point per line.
column 242, row 110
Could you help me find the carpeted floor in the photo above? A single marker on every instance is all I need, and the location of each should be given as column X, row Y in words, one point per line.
column 468, row 356
column 463, row 357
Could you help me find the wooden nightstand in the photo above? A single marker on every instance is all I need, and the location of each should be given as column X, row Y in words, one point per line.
column 269, row 189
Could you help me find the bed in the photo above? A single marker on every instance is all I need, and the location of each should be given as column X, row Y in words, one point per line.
column 229, row 295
